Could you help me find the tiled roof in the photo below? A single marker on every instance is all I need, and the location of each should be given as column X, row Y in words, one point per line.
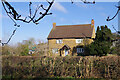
column 71, row 31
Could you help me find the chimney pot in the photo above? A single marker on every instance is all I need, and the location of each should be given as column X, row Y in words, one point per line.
column 54, row 25
column 92, row 22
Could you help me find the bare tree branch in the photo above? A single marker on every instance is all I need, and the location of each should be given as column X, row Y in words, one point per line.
column 108, row 19
column 115, row 29
column 10, row 37
column 72, row 1
column 13, row 14
column 118, row 32
column 46, row 11
column 84, row 1
column 87, row 2
column 15, row 24
column 30, row 8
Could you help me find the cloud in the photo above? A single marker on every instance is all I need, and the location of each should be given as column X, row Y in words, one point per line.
column 59, row 7
column 62, row 19
column 81, row 5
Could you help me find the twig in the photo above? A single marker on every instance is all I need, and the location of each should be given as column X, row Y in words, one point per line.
column 87, row 2
column 14, row 16
column 116, row 30
column 84, row 1
column 46, row 11
column 108, row 19
column 30, row 8
column 8, row 14
column 12, row 13
column 10, row 37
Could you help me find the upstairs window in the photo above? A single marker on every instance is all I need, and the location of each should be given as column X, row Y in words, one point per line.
column 79, row 40
column 59, row 41
column 54, row 50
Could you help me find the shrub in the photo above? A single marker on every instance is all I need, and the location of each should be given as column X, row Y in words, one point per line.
column 102, row 43
column 78, row 67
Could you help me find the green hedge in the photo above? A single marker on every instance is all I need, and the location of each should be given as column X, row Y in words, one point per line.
column 50, row 67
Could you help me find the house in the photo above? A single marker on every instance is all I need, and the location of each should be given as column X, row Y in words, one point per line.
column 31, row 51
column 70, row 39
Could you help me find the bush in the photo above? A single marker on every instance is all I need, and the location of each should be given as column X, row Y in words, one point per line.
column 78, row 67
column 25, row 50
column 102, row 43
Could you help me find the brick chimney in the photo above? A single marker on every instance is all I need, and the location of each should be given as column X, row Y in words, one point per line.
column 92, row 22
column 54, row 25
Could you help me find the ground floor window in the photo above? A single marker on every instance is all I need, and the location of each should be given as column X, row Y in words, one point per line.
column 55, row 50
column 80, row 50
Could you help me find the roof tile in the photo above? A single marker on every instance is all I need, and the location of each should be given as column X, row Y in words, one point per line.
column 71, row 31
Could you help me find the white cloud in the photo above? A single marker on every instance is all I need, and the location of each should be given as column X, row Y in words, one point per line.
column 59, row 7
column 81, row 5
column 62, row 19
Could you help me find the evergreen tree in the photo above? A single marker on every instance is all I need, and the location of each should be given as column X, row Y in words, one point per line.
column 102, row 43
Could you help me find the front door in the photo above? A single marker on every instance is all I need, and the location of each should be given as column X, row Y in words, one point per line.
column 66, row 52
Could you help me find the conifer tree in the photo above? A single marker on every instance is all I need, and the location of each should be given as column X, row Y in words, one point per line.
column 102, row 43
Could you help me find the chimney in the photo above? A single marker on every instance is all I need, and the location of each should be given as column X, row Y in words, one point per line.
column 54, row 25
column 92, row 22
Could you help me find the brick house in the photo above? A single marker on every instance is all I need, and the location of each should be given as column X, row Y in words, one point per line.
column 70, row 39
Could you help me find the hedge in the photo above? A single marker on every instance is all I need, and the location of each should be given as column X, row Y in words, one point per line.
column 51, row 67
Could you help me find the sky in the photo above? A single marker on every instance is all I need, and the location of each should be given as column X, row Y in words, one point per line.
column 63, row 13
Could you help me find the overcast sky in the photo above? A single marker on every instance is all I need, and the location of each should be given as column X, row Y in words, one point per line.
column 64, row 13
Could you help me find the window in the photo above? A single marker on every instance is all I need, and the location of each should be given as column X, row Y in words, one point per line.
column 80, row 50
column 55, row 50
column 79, row 40
column 59, row 41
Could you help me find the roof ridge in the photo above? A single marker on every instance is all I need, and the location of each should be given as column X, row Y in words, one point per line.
column 72, row 25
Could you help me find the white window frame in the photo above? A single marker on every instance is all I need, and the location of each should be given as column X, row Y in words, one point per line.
column 55, row 50
column 79, row 40
column 80, row 50
column 59, row 41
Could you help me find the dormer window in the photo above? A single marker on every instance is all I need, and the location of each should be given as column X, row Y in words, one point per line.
column 59, row 41
column 79, row 40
